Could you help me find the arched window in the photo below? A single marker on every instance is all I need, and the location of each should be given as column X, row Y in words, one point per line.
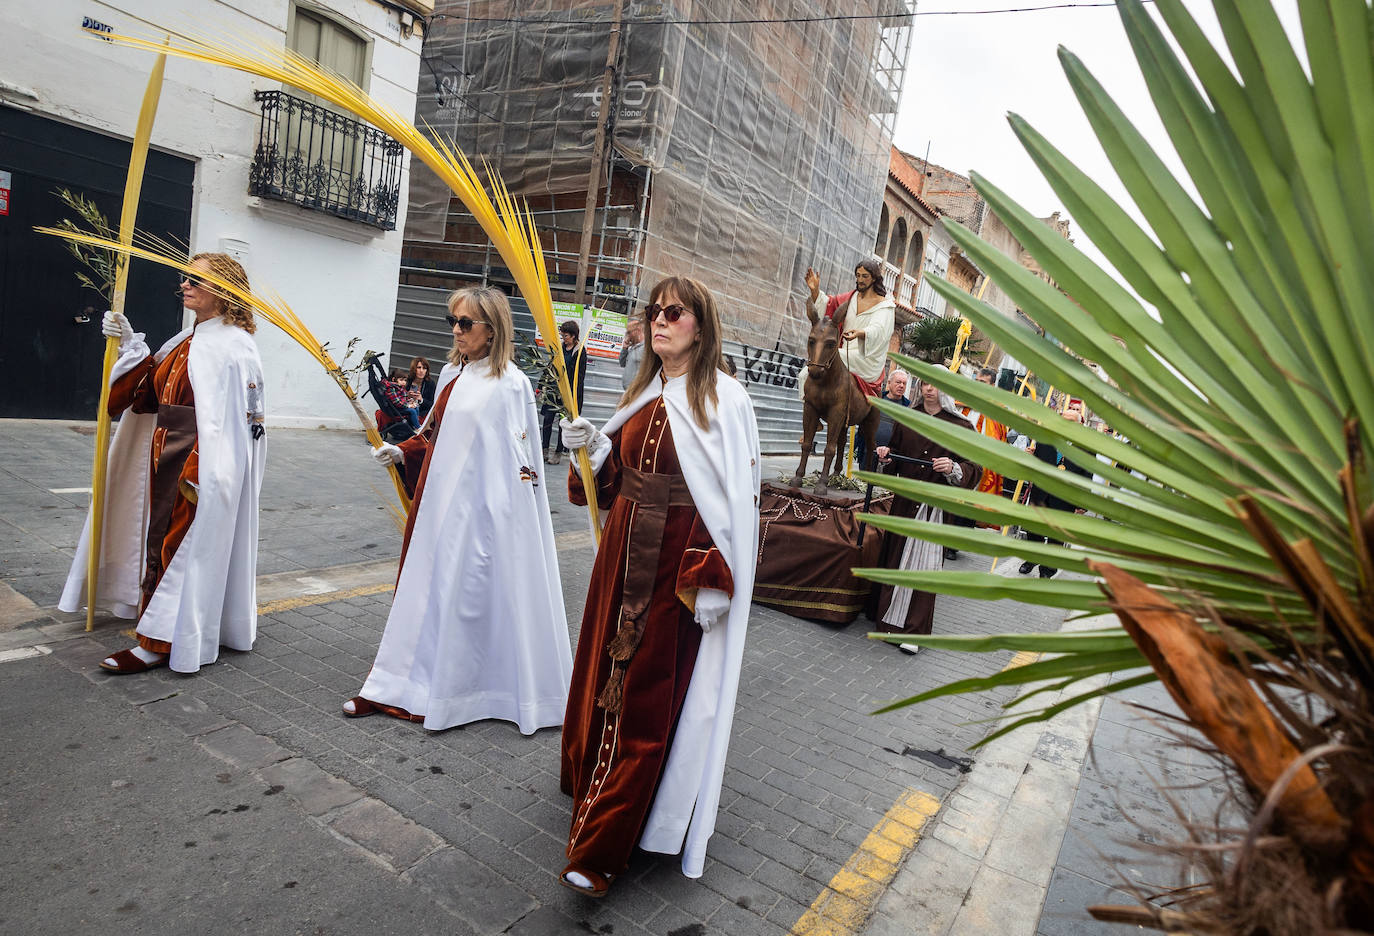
column 896, row 249
column 913, row 255
column 880, row 244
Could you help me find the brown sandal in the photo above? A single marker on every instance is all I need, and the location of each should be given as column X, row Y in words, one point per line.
column 601, row 883
column 364, row 707
column 126, row 663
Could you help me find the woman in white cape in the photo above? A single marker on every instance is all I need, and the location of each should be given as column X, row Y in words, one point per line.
column 477, row 628
column 180, row 543
column 658, row 659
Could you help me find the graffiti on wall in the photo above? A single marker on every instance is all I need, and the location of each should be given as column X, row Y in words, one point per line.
column 772, row 368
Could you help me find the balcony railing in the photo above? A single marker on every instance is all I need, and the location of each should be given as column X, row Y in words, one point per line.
column 901, row 286
column 313, row 157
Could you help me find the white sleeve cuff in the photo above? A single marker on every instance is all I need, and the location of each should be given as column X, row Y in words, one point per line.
column 130, row 356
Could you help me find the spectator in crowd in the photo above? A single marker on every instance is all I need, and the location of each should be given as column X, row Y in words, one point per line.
column 631, row 352
column 991, row 482
column 575, row 361
column 905, row 610
column 397, row 395
column 894, row 392
column 1039, row 497
column 420, row 387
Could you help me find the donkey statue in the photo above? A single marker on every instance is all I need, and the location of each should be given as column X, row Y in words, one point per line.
column 831, row 394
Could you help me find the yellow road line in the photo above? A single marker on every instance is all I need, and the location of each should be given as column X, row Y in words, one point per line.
column 1021, row 659
column 853, row 892
column 301, row 601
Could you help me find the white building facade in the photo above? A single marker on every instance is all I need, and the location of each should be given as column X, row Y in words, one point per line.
column 312, row 203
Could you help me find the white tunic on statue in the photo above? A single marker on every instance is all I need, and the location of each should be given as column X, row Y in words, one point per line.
column 867, row 356
column 477, row 629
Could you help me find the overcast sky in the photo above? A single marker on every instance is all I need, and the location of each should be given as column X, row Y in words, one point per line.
column 966, row 72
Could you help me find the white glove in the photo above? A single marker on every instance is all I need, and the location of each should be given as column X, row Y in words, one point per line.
column 578, row 433
column 115, row 325
column 387, row 455
column 711, row 606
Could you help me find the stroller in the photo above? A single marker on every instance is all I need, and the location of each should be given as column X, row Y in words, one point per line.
column 391, row 420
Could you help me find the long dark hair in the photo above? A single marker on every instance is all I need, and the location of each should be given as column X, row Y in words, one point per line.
column 429, row 371
column 875, row 270
column 705, row 363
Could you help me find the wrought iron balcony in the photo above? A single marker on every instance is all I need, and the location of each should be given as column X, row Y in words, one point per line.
column 311, row 156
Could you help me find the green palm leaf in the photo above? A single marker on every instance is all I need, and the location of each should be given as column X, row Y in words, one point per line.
column 1238, row 344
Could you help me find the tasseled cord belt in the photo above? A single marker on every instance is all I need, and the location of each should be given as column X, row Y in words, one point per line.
column 653, row 494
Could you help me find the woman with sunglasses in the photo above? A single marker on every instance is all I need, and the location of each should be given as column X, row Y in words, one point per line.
column 477, row 628
column 658, row 660
column 180, row 529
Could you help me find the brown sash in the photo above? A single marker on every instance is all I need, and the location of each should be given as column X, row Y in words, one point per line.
column 179, row 424
column 652, row 495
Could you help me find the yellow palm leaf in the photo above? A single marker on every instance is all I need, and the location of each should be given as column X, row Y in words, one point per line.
column 511, row 229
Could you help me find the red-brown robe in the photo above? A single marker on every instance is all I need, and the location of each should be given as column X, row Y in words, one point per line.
column 991, row 481
column 920, row 614
column 622, row 712
column 152, row 386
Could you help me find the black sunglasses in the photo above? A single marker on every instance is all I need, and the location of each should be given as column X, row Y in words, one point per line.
column 672, row 313
column 464, row 324
column 195, row 282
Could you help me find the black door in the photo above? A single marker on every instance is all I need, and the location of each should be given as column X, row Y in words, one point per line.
column 50, row 342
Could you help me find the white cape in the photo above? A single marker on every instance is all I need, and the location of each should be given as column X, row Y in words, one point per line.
column 208, row 594
column 477, row 628
column 721, row 467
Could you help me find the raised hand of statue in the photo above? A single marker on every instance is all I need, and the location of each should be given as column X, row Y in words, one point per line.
column 813, row 283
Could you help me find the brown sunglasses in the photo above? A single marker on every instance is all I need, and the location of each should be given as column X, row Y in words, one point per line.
column 672, row 313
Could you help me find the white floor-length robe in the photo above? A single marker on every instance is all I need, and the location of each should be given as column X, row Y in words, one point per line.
column 207, row 597
column 477, row 629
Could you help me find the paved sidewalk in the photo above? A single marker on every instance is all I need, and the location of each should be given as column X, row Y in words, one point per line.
column 465, row 828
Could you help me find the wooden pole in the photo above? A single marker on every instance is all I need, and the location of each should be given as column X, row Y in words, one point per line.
column 133, row 185
column 598, row 158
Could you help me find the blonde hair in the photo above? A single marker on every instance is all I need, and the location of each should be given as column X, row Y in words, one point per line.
column 232, row 310
column 706, row 352
column 494, row 309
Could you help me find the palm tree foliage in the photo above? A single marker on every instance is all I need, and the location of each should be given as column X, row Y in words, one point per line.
column 1239, row 342
column 934, row 338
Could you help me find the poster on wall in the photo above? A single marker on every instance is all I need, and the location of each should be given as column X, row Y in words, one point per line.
column 605, row 333
column 562, row 311
column 601, row 331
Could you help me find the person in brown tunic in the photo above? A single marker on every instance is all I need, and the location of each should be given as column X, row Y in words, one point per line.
column 658, row 584
column 905, row 610
column 163, row 387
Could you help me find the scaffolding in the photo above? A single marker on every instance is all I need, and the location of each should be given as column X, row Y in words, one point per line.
column 746, row 142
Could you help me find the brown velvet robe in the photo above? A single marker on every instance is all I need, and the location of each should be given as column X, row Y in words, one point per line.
column 156, row 387
column 920, row 615
column 638, row 642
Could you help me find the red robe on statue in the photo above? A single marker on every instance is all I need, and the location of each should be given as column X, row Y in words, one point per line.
column 639, row 640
